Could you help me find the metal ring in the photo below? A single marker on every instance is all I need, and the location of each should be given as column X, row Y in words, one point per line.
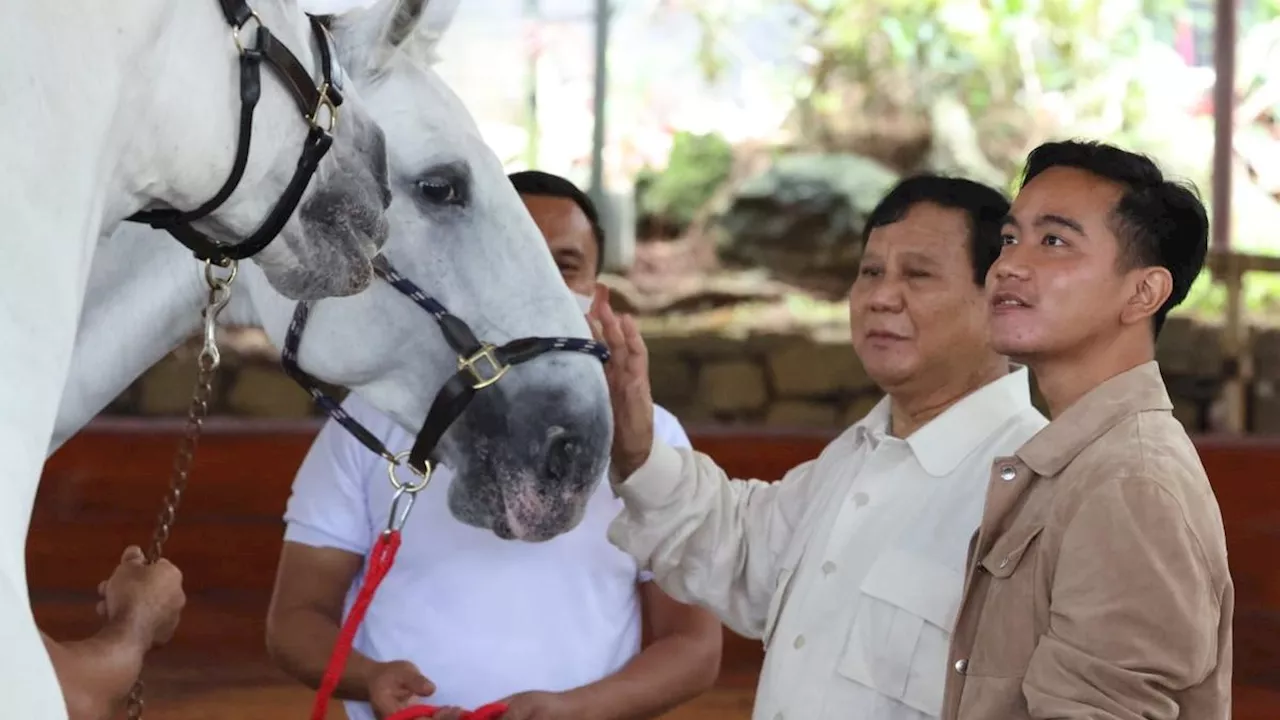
column 235, row 31
column 216, row 282
column 410, row 488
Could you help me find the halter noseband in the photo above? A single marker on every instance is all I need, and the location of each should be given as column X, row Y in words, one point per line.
column 319, row 107
column 480, row 365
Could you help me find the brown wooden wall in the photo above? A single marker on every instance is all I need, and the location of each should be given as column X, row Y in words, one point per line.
column 101, row 491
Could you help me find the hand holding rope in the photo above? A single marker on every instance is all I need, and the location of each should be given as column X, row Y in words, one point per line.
column 381, row 558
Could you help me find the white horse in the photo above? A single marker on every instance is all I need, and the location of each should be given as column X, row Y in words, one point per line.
column 530, row 449
column 111, row 108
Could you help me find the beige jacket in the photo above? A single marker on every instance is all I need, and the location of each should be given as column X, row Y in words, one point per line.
column 1097, row 585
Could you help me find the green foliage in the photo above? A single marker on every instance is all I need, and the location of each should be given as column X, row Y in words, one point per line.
column 697, row 166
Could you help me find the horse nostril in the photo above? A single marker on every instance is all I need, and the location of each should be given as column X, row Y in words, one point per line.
column 562, row 451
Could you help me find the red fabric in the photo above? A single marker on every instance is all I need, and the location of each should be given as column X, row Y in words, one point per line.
column 380, row 560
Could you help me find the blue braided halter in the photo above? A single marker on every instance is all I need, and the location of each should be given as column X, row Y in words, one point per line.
column 480, row 365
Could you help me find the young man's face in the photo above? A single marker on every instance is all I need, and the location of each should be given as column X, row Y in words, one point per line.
column 915, row 311
column 568, row 233
column 1059, row 285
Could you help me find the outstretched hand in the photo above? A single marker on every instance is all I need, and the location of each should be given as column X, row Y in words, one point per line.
column 627, row 373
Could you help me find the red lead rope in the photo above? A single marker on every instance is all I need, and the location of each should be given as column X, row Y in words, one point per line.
column 380, row 560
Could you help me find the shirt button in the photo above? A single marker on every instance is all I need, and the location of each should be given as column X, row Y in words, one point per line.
column 799, row 643
column 962, row 665
column 828, row 567
column 861, row 498
column 777, row 716
column 1008, row 473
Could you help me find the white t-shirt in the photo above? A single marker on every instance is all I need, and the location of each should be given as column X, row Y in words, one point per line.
column 481, row 617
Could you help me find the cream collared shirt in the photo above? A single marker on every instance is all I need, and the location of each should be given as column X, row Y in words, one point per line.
column 850, row 568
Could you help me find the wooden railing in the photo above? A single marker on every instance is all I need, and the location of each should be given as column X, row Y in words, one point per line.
column 102, row 489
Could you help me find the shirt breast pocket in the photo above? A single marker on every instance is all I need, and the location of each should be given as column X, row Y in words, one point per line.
column 899, row 639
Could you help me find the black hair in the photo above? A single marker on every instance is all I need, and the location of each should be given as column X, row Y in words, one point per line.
column 984, row 207
column 1158, row 221
column 537, row 182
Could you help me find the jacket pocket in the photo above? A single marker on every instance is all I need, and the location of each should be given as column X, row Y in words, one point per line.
column 899, row 639
column 1007, row 551
column 780, row 590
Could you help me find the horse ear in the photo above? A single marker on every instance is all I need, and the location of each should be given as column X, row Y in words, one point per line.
column 404, row 20
column 420, row 22
column 368, row 36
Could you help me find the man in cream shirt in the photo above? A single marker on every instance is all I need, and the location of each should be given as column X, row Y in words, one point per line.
column 850, row 568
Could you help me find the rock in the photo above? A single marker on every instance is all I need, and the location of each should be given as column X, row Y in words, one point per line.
column 955, row 148
column 732, row 386
column 795, row 413
column 860, row 406
column 166, row 388
column 1266, row 407
column 268, row 392
column 803, row 218
column 1266, row 354
column 1175, row 347
column 672, row 380
column 816, row 370
column 1187, row 412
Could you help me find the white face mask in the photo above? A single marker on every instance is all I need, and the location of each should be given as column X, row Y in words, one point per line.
column 584, row 302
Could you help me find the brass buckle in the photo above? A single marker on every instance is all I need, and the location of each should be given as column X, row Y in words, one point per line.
column 324, row 103
column 484, row 353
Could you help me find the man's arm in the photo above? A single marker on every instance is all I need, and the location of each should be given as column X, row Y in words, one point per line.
column 680, row 662
column 708, row 539
column 305, row 617
column 141, row 604
column 1134, row 611
column 327, row 536
column 97, row 673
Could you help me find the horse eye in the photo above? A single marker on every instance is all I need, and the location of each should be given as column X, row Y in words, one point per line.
column 439, row 191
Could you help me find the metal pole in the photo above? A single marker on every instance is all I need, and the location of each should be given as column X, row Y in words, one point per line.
column 533, row 20
column 1235, row 361
column 596, row 189
column 1224, row 54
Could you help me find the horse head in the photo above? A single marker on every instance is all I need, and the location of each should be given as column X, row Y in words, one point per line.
column 530, row 449
column 206, row 63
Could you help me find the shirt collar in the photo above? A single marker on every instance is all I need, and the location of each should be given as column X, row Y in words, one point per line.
column 943, row 442
column 1139, row 389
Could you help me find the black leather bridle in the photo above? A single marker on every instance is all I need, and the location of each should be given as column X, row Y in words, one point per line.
column 311, row 99
column 480, row 365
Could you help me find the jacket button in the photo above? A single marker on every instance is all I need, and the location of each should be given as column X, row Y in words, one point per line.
column 961, row 665
column 1008, row 473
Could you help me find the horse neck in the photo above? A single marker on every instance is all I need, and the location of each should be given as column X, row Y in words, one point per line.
column 81, row 70
column 138, row 273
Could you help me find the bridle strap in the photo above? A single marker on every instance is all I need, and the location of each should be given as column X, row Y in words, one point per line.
column 311, row 101
column 236, row 12
column 480, row 365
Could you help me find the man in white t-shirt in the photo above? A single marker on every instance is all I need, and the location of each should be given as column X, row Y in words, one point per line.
column 465, row 619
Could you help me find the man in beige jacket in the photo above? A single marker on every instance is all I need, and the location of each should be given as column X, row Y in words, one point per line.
column 1097, row 585
column 849, row 568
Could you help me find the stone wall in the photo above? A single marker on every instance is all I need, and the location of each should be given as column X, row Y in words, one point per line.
column 779, row 380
